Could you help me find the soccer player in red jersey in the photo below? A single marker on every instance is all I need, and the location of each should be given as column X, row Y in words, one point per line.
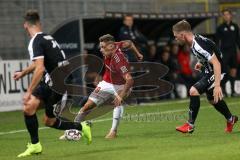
column 117, row 80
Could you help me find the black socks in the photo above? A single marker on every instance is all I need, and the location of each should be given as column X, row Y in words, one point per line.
column 193, row 108
column 31, row 123
column 64, row 125
column 221, row 107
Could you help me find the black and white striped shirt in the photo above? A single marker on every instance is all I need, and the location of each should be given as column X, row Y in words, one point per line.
column 204, row 49
column 45, row 46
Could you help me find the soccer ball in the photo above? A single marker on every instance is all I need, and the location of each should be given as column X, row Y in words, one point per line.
column 72, row 135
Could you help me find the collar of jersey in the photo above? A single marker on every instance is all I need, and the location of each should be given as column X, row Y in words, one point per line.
column 37, row 34
column 194, row 36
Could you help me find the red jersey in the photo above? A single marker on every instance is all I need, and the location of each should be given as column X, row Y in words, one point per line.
column 115, row 67
column 184, row 61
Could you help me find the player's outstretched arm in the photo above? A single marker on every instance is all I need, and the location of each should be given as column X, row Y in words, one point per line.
column 19, row 74
column 129, row 45
column 217, row 92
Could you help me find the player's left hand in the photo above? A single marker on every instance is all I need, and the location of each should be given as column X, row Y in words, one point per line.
column 17, row 75
column 198, row 67
column 26, row 97
column 117, row 101
column 217, row 94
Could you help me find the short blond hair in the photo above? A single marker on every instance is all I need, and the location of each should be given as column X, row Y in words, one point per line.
column 182, row 25
column 106, row 38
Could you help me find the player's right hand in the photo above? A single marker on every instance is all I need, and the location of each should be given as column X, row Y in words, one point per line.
column 17, row 75
column 26, row 97
column 117, row 101
column 139, row 57
column 198, row 67
column 217, row 94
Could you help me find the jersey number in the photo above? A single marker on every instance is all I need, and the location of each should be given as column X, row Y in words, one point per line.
column 54, row 42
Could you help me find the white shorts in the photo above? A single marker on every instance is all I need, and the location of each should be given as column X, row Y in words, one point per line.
column 104, row 91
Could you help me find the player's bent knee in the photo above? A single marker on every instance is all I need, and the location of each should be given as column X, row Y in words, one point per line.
column 89, row 105
column 49, row 121
column 193, row 92
column 29, row 110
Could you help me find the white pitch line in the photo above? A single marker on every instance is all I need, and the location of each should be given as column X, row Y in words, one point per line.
column 109, row 119
column 19, row 131
column 159, row 113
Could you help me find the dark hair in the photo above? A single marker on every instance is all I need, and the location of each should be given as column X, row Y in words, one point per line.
column 107, row 38
column 127, row 15
column 182, row 25
column 226, row 10
column 32, row 16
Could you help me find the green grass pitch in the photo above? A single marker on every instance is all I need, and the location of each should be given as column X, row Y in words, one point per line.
column 147, row 132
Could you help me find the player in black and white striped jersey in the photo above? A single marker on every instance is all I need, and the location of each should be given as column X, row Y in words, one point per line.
column 45, row 55
column 211, row 65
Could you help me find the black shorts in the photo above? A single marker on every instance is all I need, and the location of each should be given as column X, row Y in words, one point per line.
column 206, row 84
column 48, row 97
column 230, row 59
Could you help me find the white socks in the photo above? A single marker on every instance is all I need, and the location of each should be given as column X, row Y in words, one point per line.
column 117, row 115
column 230, row 119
